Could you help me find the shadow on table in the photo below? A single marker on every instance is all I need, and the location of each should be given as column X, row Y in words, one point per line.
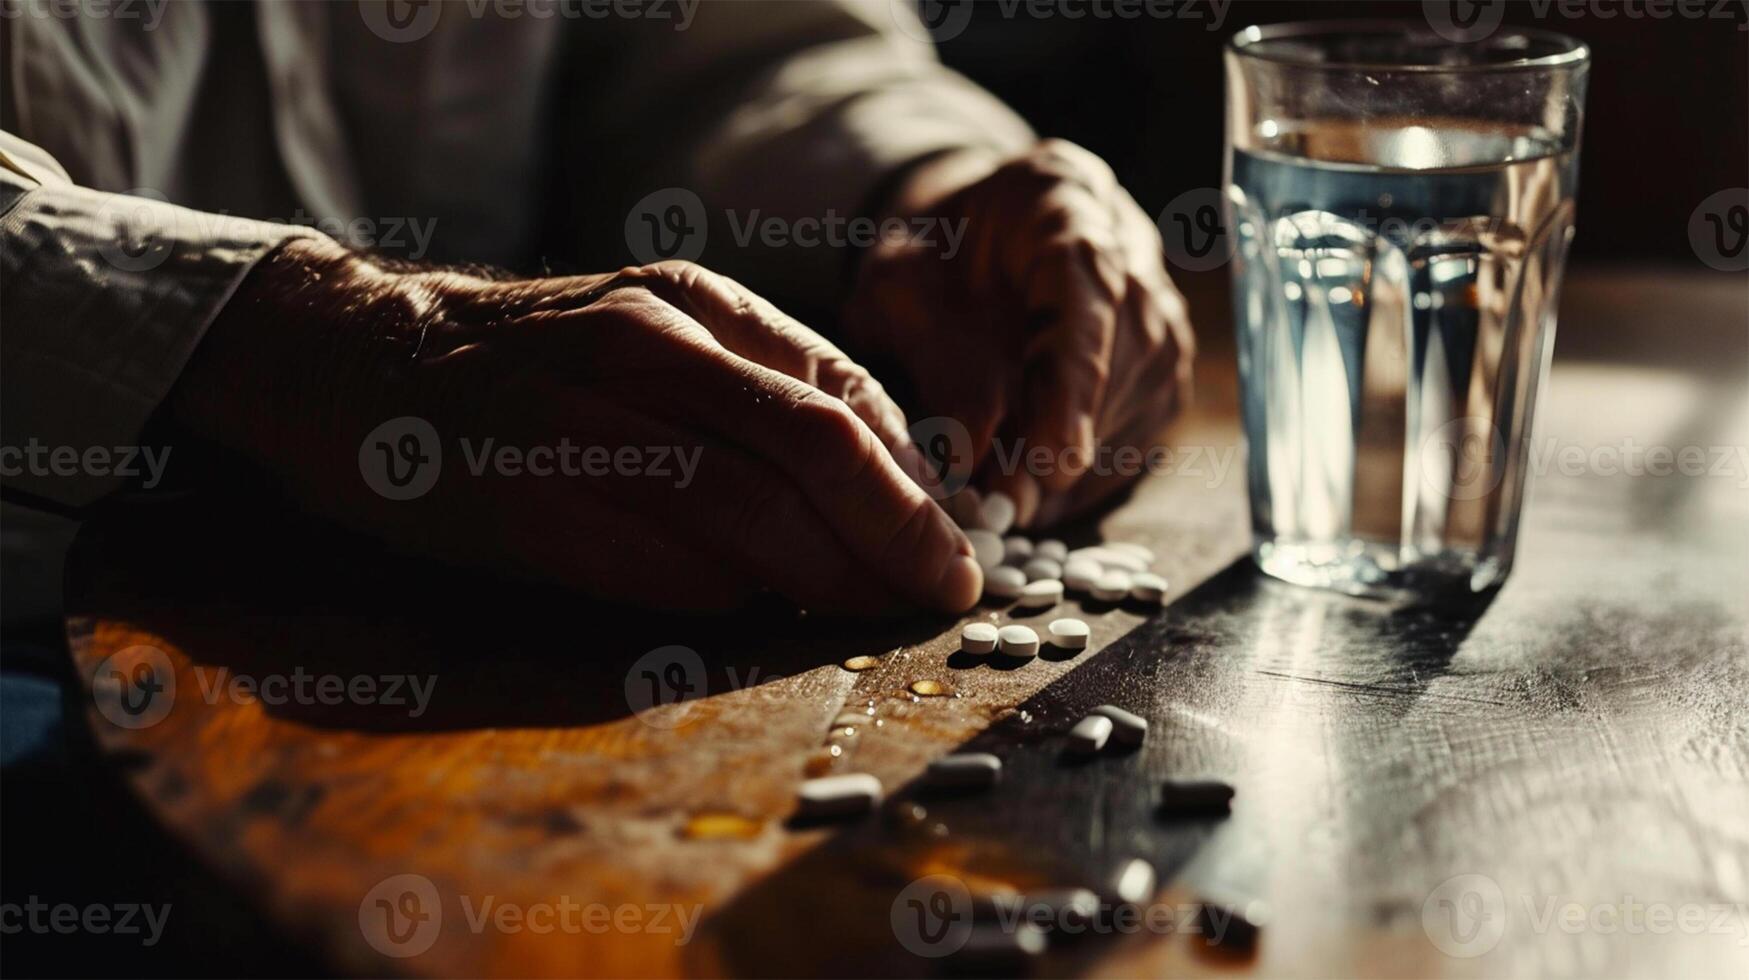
column 1055, row 822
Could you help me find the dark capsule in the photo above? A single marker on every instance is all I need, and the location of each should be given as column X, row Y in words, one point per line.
column 1195, row 798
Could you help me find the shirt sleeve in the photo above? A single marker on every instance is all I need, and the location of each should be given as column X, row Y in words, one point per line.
column 800, row 112
column 103, row 297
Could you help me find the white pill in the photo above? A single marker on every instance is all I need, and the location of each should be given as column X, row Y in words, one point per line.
column 839, row 796
column 1081, row 574
column 1148, row 587
column 1040, row 568
column 978, row 638
column 1111, row 587
column 1016, row 550
column 1053, row 549
column 986, row 546
column 1019, row 641
column 963, row 770
column 1109, row 559
column 966, row 508
column 1043, row 594
column 1127, row 727
column 1005, row 582
column 1140, row 551
column 998, row 512
column 1069, row 634
column 1135, row 882
column 1089, row 734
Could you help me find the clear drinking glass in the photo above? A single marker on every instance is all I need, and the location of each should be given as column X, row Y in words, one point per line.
column 1401, row 207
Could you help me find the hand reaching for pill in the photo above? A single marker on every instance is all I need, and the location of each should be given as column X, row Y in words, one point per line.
column 1054, row 325
column 795, row 480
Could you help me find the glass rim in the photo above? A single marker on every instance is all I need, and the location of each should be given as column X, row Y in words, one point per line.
column 1574, row 53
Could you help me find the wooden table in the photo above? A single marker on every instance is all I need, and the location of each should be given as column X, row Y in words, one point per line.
column 1419, row 793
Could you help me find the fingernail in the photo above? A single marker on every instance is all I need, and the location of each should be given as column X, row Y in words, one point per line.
column 960, row 585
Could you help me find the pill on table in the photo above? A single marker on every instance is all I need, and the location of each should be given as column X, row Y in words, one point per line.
column 998, row 511
column 1081, row 574
column 838, row 796
column 1089, row 734
column 1005, row 582
column 1109, row 559
column 1040, row 568
column 1231, row 924
column 1127, row 727
column 966, row 508
column 1195, row 797
column 1051, row 548
column 1135, row 882
column 963, row 770
column 1043, row 594
column 1112, row 586
column 1019, row 641
column 986, row 547
column 1148, row 587
column 978, row 638
column 1140, row 551
column 1069, row 634
column 1016, row 550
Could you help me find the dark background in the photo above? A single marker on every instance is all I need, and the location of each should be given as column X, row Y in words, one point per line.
column 1667, row 120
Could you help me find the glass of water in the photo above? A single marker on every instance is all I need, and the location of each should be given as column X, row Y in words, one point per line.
column 1401, row 207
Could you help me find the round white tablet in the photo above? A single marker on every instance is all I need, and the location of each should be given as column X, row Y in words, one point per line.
column 978, row 638
column 999, row 512
column 1148, row 587
column 1111, row 587
column 1005, row 582
column 1019, row 641
column 986, row 547
column 1080, row 574
column 1141, row 551
column 1041, row 568
column 1069, row 634
column 1053, row 549
column 1016, row 550
column 1042, row 594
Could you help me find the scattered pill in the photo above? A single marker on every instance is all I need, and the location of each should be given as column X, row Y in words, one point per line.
column 1128, row 728
column 1042, row 594
column 1231, row 925
column 1069, row 634
column 1148, row 587
column 1123, row 562
column 998, row 511
column 1112, row 586
column 1089, row 734
column 1051, row 548
column 1135, row 882
column 963, row 770
column 1074, row 908
column 987, row 547
column 1139, row 551
column 862, row 663
column 1195, row 797
column 1081, row 574
column 1005, row 582
column 1019, row 641
column 839, row 796
column 1016, row 550
column 929, row 689
column 966, row 508
column 978, row 638
column 1042, row 568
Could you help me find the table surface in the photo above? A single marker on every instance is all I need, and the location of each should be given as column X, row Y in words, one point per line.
column 1518, row 788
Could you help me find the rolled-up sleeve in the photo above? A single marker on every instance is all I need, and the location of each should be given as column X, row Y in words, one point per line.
column 103, row 297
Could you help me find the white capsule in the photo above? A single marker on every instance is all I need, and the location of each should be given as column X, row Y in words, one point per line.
column 1080, row 574
column 963, row 770
column 1135, row 882
column 1005, row 582
column 998, row 512
column 1109, row 559
column 1053, row 549
column 1089, row 735
column 1043, row 594
column 986, row 548
column 1019, row 641
column 1069, row 634
column 978, row 638
column 1148, row 587
column 1041, row 568
column 838, row 796
column 1127, row 727
column 1111, row 587
column 1016, row 550
column 1140, row 551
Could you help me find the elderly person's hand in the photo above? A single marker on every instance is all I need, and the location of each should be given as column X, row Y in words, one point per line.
column 672, row 439
column 1055, row 324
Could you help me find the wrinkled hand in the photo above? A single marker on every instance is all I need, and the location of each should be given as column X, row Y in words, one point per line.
column 793, row 484
column 1055, row 324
